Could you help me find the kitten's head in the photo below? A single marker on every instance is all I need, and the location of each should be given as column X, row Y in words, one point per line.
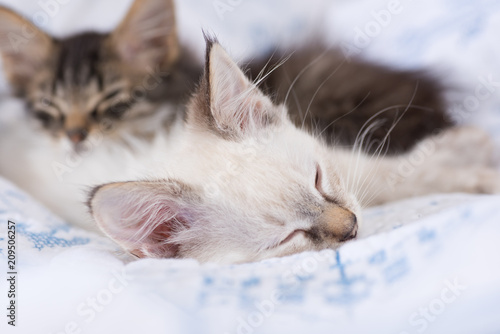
column 248, row 185
column 90, row 82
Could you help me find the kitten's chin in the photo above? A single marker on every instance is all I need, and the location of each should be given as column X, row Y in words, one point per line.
column 81, row 148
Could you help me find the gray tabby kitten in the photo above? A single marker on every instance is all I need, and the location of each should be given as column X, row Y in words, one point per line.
column 90, row 83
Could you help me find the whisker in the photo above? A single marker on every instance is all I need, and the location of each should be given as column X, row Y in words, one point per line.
column 317, row 90
column 357, row 148
column 402, row 115
column 261, row 77
column 376, row 157
column 360, row 154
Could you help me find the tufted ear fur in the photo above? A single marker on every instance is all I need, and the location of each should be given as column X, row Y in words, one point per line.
column 148, row 35
column 24, row 48
column 226, row 101
column 143, row 217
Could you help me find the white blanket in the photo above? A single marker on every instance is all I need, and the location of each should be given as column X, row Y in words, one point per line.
column 421, row 265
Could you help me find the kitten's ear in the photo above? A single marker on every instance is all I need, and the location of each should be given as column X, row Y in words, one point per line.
column 24, row 48
column 147, row 37
column 143, row 217
column 228, row 102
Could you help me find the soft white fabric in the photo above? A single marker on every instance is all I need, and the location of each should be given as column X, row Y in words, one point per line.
column 426, row 264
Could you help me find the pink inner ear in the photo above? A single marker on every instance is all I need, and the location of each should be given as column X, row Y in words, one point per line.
column 148, row 229
column 154, row 245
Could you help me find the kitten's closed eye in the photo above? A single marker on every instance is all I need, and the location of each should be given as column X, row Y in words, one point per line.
column 48, row 119
column 113, row 105
column 117, row 110
column 112, row 94
column 292, row 235
column 318, row 183
column 317, row 180
column 44, row 117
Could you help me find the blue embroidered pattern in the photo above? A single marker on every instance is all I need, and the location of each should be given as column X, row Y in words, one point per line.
column 49, row 239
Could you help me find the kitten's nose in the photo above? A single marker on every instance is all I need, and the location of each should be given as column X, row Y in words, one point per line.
column 77, row 135
column 348, row 235
column 341, row 223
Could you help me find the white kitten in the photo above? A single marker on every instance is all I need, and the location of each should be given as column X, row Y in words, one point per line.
column 243, row 184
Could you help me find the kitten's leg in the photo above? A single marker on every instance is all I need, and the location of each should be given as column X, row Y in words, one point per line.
column 460, row 160
column 463, row 146
column 438, row 179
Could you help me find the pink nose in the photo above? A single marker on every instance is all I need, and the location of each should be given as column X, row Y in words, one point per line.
column 341, row 223
column 77, row 135
column 348, row 235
